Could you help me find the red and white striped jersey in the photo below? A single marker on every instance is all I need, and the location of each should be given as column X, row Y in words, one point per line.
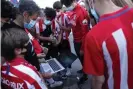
column 40, row 26
column 109, row 49
column 64, row 21
column 55, row 28
column 19, row 74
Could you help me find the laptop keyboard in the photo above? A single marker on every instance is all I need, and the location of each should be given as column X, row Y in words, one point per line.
column 54, row 65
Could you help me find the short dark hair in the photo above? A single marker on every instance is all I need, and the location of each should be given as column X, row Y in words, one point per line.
column 15, row 12
column 7, row 10
column 29, row 6
column 57, row 5
column 12, row 38
column 50, row 12
column 66, row 2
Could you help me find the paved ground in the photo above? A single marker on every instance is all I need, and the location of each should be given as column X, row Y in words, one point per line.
column 71, row 82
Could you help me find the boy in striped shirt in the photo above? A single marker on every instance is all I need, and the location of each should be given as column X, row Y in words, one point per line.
column 16, row 72
column 63, row 20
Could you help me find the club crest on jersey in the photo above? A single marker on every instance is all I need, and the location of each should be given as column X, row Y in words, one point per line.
column 85, row 22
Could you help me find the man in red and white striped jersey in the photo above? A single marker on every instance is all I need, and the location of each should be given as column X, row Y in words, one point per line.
column 109, row 47
column 63, row 21
column 16, row 72
column 42, row 30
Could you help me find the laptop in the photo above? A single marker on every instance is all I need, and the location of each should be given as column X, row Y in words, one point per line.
column 51, row 66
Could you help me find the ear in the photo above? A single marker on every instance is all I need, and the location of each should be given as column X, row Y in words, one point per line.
column 18, row 51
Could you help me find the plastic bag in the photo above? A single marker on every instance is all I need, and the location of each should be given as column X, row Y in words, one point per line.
column 71, row 43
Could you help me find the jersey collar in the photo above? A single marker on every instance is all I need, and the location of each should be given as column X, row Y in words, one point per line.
column 114, row 14
column 17, row 61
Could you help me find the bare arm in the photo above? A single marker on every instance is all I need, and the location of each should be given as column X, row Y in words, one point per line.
column 59, row 37
column 97, row 82
column 43, row 38
column 65, row 28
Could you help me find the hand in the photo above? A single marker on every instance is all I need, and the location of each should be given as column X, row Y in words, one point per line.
column 56, row 44
column 45, row 50
column 47, row 75
column 52, row 39
column 41, row 55
column 42, row 60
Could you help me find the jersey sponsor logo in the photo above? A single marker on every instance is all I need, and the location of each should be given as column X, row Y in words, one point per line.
column 12, row 84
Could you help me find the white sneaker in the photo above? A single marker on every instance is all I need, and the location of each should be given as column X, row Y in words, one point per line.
column 68, row 73
column 56, row 84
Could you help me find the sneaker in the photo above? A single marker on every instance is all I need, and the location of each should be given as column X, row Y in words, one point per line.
column 80, row 71
column 83, row 79
column 68, row 73
column 64, row 77
column 56, row 84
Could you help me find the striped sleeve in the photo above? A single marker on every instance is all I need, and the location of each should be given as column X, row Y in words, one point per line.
column 66, row 17
column 57, row 27
column 67, row 20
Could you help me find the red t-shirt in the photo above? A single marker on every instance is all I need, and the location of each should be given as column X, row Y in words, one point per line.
column 109, row 49
column 81, row 19
column 19, row 74
column 55, row 28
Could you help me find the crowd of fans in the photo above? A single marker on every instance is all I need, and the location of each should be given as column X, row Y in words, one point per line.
column 103, row 42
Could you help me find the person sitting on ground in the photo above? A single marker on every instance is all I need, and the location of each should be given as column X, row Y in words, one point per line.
column 16, row 69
